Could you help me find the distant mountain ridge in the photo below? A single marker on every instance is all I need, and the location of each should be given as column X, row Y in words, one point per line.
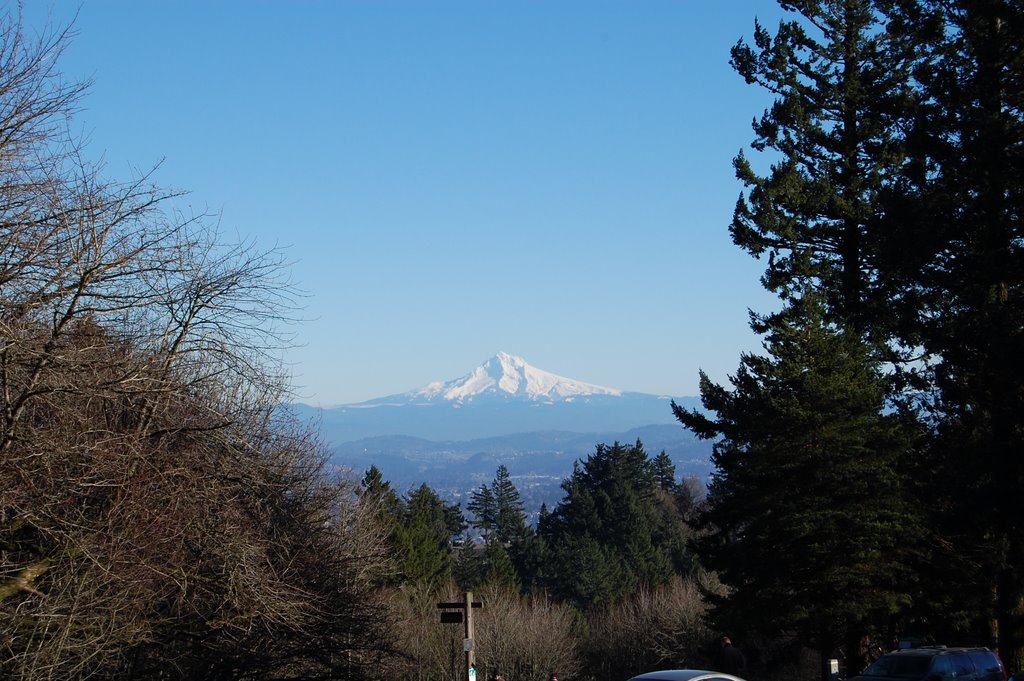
column 503, row 396
column 453, row 434
column 540, row 460
column 548, row 453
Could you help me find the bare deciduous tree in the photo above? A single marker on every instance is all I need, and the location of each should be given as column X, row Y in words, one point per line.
column 160, row 515
column 653, row 629
column 526, row 638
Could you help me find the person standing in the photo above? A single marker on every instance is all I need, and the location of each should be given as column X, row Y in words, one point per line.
column 730, row 659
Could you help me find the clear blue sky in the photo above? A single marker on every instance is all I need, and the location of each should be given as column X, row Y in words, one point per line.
column 453, row 179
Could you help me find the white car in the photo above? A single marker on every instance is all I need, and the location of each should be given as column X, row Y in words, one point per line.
column 685, row 675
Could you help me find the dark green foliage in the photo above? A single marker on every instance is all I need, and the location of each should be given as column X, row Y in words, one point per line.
column 841, row 86
column 485, row 512
column 664, row 472
column 586, row 573
column 529, row 556
column 510, row 519
column 823, row 215
column 425, row 537
column 421, row 530
column 467, row 569
column 958, row 256
column 498, row 509
column 377, row 491
column 512, row 553
column 375, row 486
column 806, row 518
column 500, row 571
column 615, row 530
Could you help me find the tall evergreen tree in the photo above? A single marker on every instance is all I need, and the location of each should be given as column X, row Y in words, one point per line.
column 806, row 519
column 421, row 528
column 612, row 519
column 498, row 564
column 512, row 553
column 664, row 471
column 958, row 256
column 426, row 537
column 530, row 557
column 467, row 568
column 525, row 552
column 837, row 136
column 375, row 489
column 841, row 83
column 485, row 511
column 376, row 493
column 510, row 519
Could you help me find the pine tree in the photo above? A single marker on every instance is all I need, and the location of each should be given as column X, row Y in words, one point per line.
column 375, row 489
column 806, row 519
column 485, row 511
column 376, row 492
column 612, row 519
column 664, row 472
column 510, row 519
column 466, row 567
column 585, row 572
column 530, row 557
column 500, row 570
column 512, row 553
column 837, row 137
column 958, row 256
column 841, row 84
column 424, row 538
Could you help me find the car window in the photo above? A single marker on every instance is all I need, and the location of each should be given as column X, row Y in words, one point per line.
column 986, row 663
column 962, row 665
column 899, row 666
column 942, row 667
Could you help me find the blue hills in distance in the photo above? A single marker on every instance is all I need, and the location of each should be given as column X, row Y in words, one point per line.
column 453, row 434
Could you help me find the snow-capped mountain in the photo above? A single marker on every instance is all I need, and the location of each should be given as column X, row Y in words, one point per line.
column 503, row 396
column 506, row 375
column 453, row 434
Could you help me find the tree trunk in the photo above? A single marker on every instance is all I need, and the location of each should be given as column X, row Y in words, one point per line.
column 856, row 651
column 1010, row 613
column 826, row 645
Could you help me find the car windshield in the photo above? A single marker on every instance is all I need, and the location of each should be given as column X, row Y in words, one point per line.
column 899, row 666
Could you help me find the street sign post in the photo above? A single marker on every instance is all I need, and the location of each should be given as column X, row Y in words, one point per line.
column 453, row 613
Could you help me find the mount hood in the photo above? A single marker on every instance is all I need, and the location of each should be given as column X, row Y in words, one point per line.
column 503, row 376
column 504, row 395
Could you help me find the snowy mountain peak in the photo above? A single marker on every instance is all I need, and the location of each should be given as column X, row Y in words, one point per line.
column 509, row 375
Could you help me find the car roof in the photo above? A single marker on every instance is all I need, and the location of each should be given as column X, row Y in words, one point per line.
column 684, row 675
column 940, row 650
